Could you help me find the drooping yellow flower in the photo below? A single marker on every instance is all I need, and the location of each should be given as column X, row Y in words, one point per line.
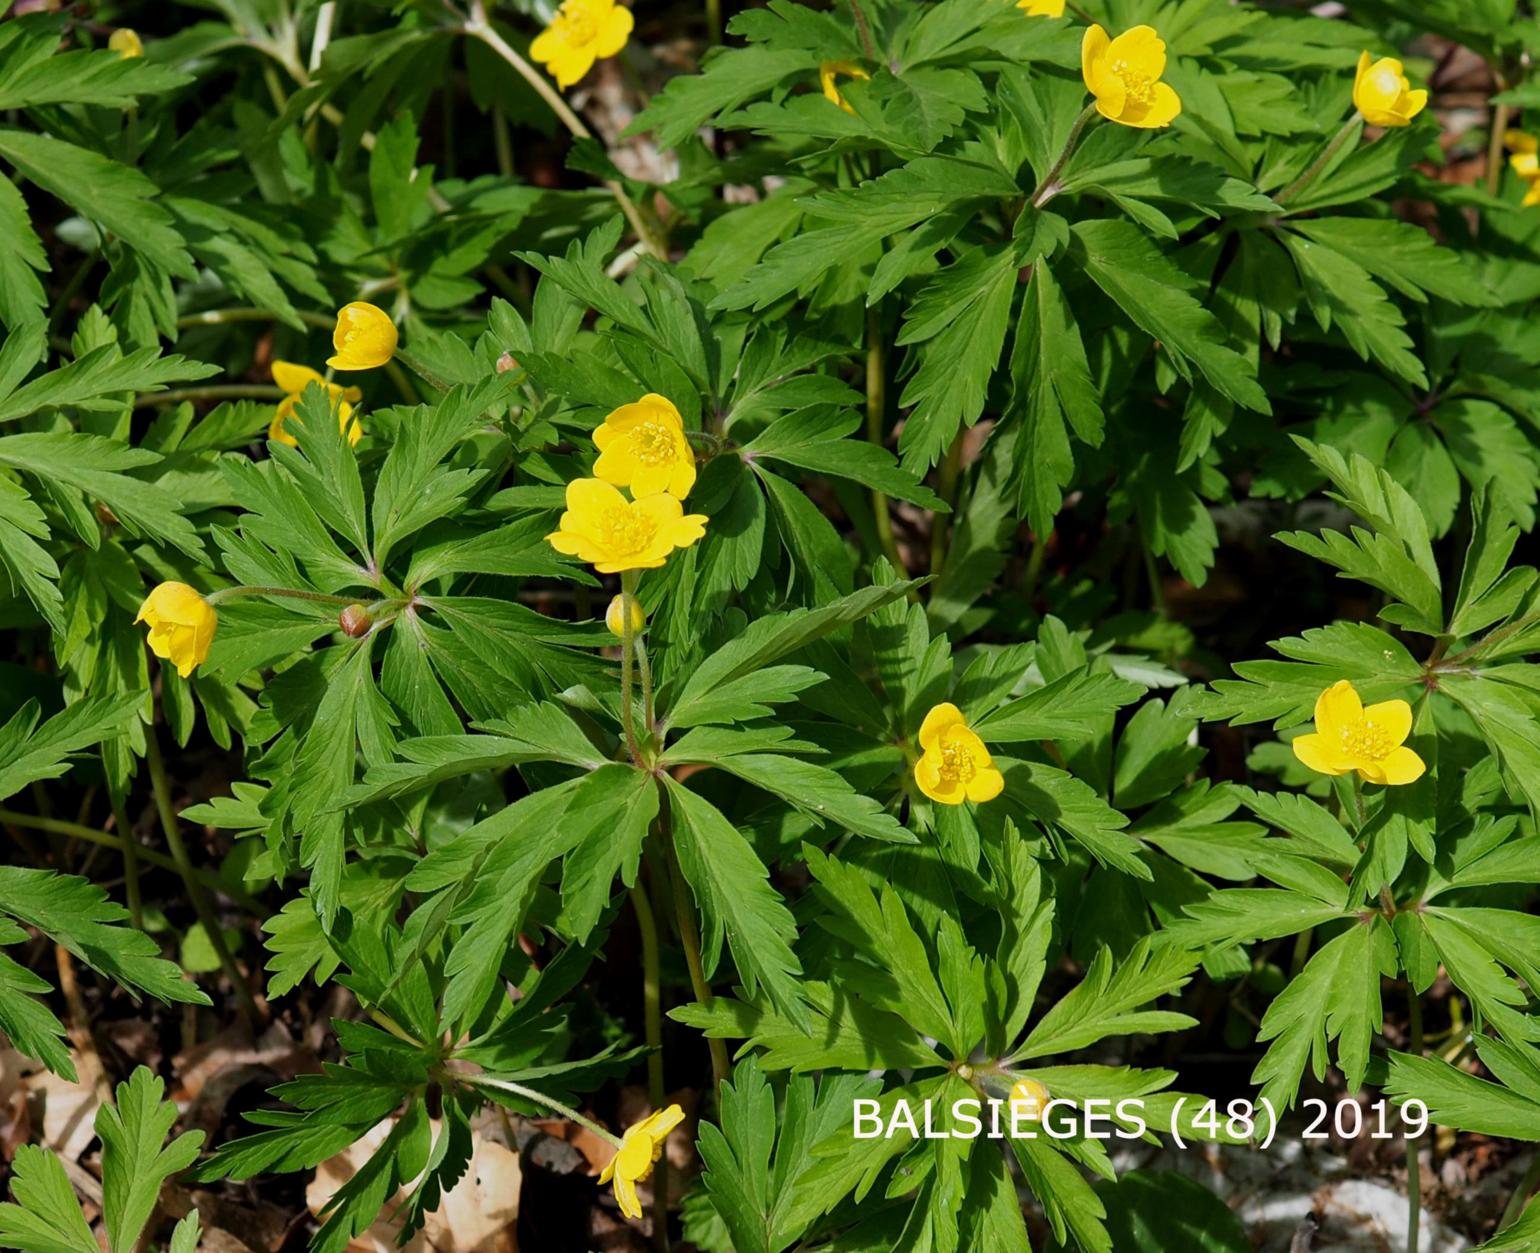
column 1382, row 93
column 955, row 765
column 582, row 32
column 125, row 43
column 640, row 1148
column 615, row 617
column 294, row 379
column 365, row 337
column 1028, row 1100
column 615, row 534
column 643, row 446
column 1525, row 162
column 1124, row 76
column 181, row 625
column 1042, row 8
column 1348, row 737
column 829, row 70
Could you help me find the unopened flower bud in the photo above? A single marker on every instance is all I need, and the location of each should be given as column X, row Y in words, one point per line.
column 507, row 362
column 614, row 618
column 355, row 621
column 1029, row 1099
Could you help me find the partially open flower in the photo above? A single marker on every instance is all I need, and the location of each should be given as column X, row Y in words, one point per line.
column 125, row 43
column 829, row 71
column 640, row 1148
column 1525, row 162
column 294, row 379
column 1382, row 93
column 365, row 337
column 181, row 624
column 955, row 766
column 1028, row 1100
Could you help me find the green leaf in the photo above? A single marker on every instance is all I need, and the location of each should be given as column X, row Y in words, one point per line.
column 818, row 792
column 98, row 380
column 46, row 1217
column 608, row 818
column 21, row 253
column 135, row 1162
column 29, row 752
column 729, row 77
column 1457, row 1099
column 33, row 73
column 1401, row 254
column 1157, row 297
column 1072, row 705
column 737, row 903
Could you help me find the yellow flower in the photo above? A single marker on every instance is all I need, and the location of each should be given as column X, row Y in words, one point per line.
column 181, row 625
column 582, row 32
column 1042, row 8
column 1525, row 162
column 615, row 534
column 125, row 43
column 955, row 765
column 615, row 619
column 1028, row 1099
column 643, row 446
column 294, row 379
column 640, row 1148
column 1349, row 737
column 1124, row 76
column 826, row 75
column 1382, row 94
column 365, row 337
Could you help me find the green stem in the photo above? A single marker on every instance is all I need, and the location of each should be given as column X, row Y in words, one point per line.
column 689, row 939
column 540, row 1098
column 865, row 29
column 292, row 593
column 1494, row 172
column 219, row 391
column 1358, row 801
column 644, row 667
column 129, row 848
column 628, row 582
column 1413, row 1169
column 218, row 317
column 1321, row 162
column 58, row 826
column 170, row 826
column 876, row 405
column 420, row 368
column 1050, row 186
column 652, row 1005
column 1521, row 1194
column 713, row 21
column 1152, row 573
column 946, row 485
column 1035, row 560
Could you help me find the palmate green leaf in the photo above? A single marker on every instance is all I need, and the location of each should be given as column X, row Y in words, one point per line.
column 33, row 72
column 959, row 319
column 1058, row 799
column 1335, row 997
column 1401, row 254
column 608, row 816
column 1109, row 1001
column 1157, row 297
column 814, row 439
column 29, row 752
column 1505, row 714
column 95, row 466
column 1071, row 705
column 99, row 381
column 737, row 903
column 135, row 1159
column 1457, row 1099
column 45, row 1217
column 728, row 78
column 116, row 196
column 1052, row 395
column 26, row 1021
column 21, row 260
column 816, row 791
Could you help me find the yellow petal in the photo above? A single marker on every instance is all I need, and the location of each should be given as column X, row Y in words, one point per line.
column 1319, row 754
column 625, row 1193
column 614, row 32
column 294, row 378
column 1402, row 766
column 940, row 718
column 986, row 784
column 1164, row 108
column 927, row 774
column 1142, row 49
column 1093, row 55
column 1413, row 103
column 591, row 496
column 1393, row 717
column 1338, row 706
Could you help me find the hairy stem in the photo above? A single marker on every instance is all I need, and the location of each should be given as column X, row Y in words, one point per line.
column 129, row 847
column 171, row 827
column 865, row 30
column 1321, row 162
column 652, row 1005
column 628, row 581
column 1049, row 187
column 1413, row 1169
column 550, row 1102
column 689, row 938
column 876, row 405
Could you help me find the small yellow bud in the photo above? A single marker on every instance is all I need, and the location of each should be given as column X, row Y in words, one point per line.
column 181, row 625
column 365, row 337
column 1029, row 1099
column 614, row 617
column 125, row 43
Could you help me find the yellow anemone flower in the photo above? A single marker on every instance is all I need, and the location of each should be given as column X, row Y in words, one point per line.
column 294, row 379
column 827, row 73
column 125, row 43
column 582, row 32
column 640, row 1148
column 1525, row 161
column 1042, row 8
column 615, row 617
column 1382, row 93
column 615, row 534
column 1028, row 1100
column 181, row 625
column 1348, row 737
column 955, row 765
column 365, row 337
column 643, row 446
column 1124, row 76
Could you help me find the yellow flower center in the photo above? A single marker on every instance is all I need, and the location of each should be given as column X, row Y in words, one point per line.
column 1365, row 740
column 627, row 531
column 957, row 764
column 576, row 24
column 1140, row 87
column 652, row 444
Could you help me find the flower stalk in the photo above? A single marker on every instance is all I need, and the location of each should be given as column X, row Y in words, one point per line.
column 1050, row 186
column 1349, row 128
